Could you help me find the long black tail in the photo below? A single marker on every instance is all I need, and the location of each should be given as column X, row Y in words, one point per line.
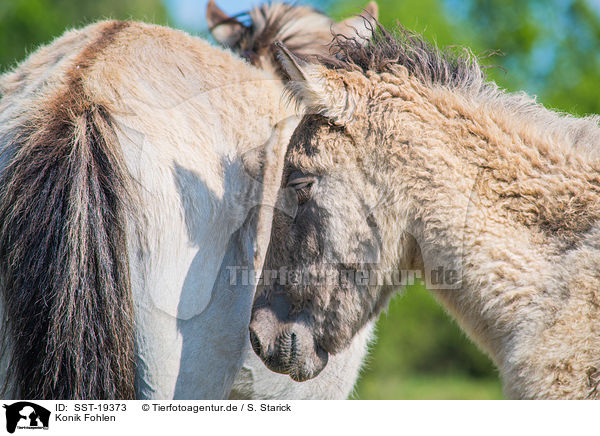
column 63, row 256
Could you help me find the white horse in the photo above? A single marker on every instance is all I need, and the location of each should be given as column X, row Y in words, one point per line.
column 139, row 168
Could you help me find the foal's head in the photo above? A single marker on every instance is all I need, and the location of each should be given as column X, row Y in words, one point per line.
column 334, row 243
column 350, row 235
column 304, row 30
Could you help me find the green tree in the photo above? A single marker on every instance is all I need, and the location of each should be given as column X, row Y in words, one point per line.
column 552, row 48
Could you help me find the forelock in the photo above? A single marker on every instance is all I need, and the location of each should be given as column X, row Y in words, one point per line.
column 302, row 29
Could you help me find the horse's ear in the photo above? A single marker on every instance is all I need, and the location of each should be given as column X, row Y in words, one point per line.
column 316, row 87
column 297, row 69
column 226, row 30
column 361, row 26
column 372, row 9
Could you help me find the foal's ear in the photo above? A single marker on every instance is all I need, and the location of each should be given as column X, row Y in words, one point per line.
column 226, row 30
column 361, row 26
column 321, row 90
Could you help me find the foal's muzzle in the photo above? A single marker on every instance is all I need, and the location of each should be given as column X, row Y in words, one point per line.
column 285, row 343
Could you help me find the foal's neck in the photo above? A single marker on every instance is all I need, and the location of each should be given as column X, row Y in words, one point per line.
column 501, row 197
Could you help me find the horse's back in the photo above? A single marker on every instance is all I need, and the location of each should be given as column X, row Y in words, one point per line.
column 115, row 61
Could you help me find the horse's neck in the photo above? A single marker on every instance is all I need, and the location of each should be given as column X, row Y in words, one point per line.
column 498, row 202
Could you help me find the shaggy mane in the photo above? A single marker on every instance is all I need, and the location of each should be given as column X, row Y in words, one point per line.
column 456, row 69
column 385, row 50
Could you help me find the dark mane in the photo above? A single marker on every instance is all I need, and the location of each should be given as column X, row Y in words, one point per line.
column 454, row 68
column 303, row 29
column 386, row 50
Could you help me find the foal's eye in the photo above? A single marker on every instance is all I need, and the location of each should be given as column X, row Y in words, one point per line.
column 302, row 184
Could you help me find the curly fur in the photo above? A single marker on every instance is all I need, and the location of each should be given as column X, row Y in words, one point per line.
column 488, row 183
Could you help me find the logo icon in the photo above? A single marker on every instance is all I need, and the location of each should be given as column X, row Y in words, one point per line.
column 26, row 415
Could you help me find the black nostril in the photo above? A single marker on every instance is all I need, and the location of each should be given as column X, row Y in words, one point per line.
column 255, row 342
column 293, row 346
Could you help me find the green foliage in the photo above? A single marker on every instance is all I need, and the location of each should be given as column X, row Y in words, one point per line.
column 426, row 340
column 25, row 24
column 552, row 48
column 432, row 386
column 421, row 353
